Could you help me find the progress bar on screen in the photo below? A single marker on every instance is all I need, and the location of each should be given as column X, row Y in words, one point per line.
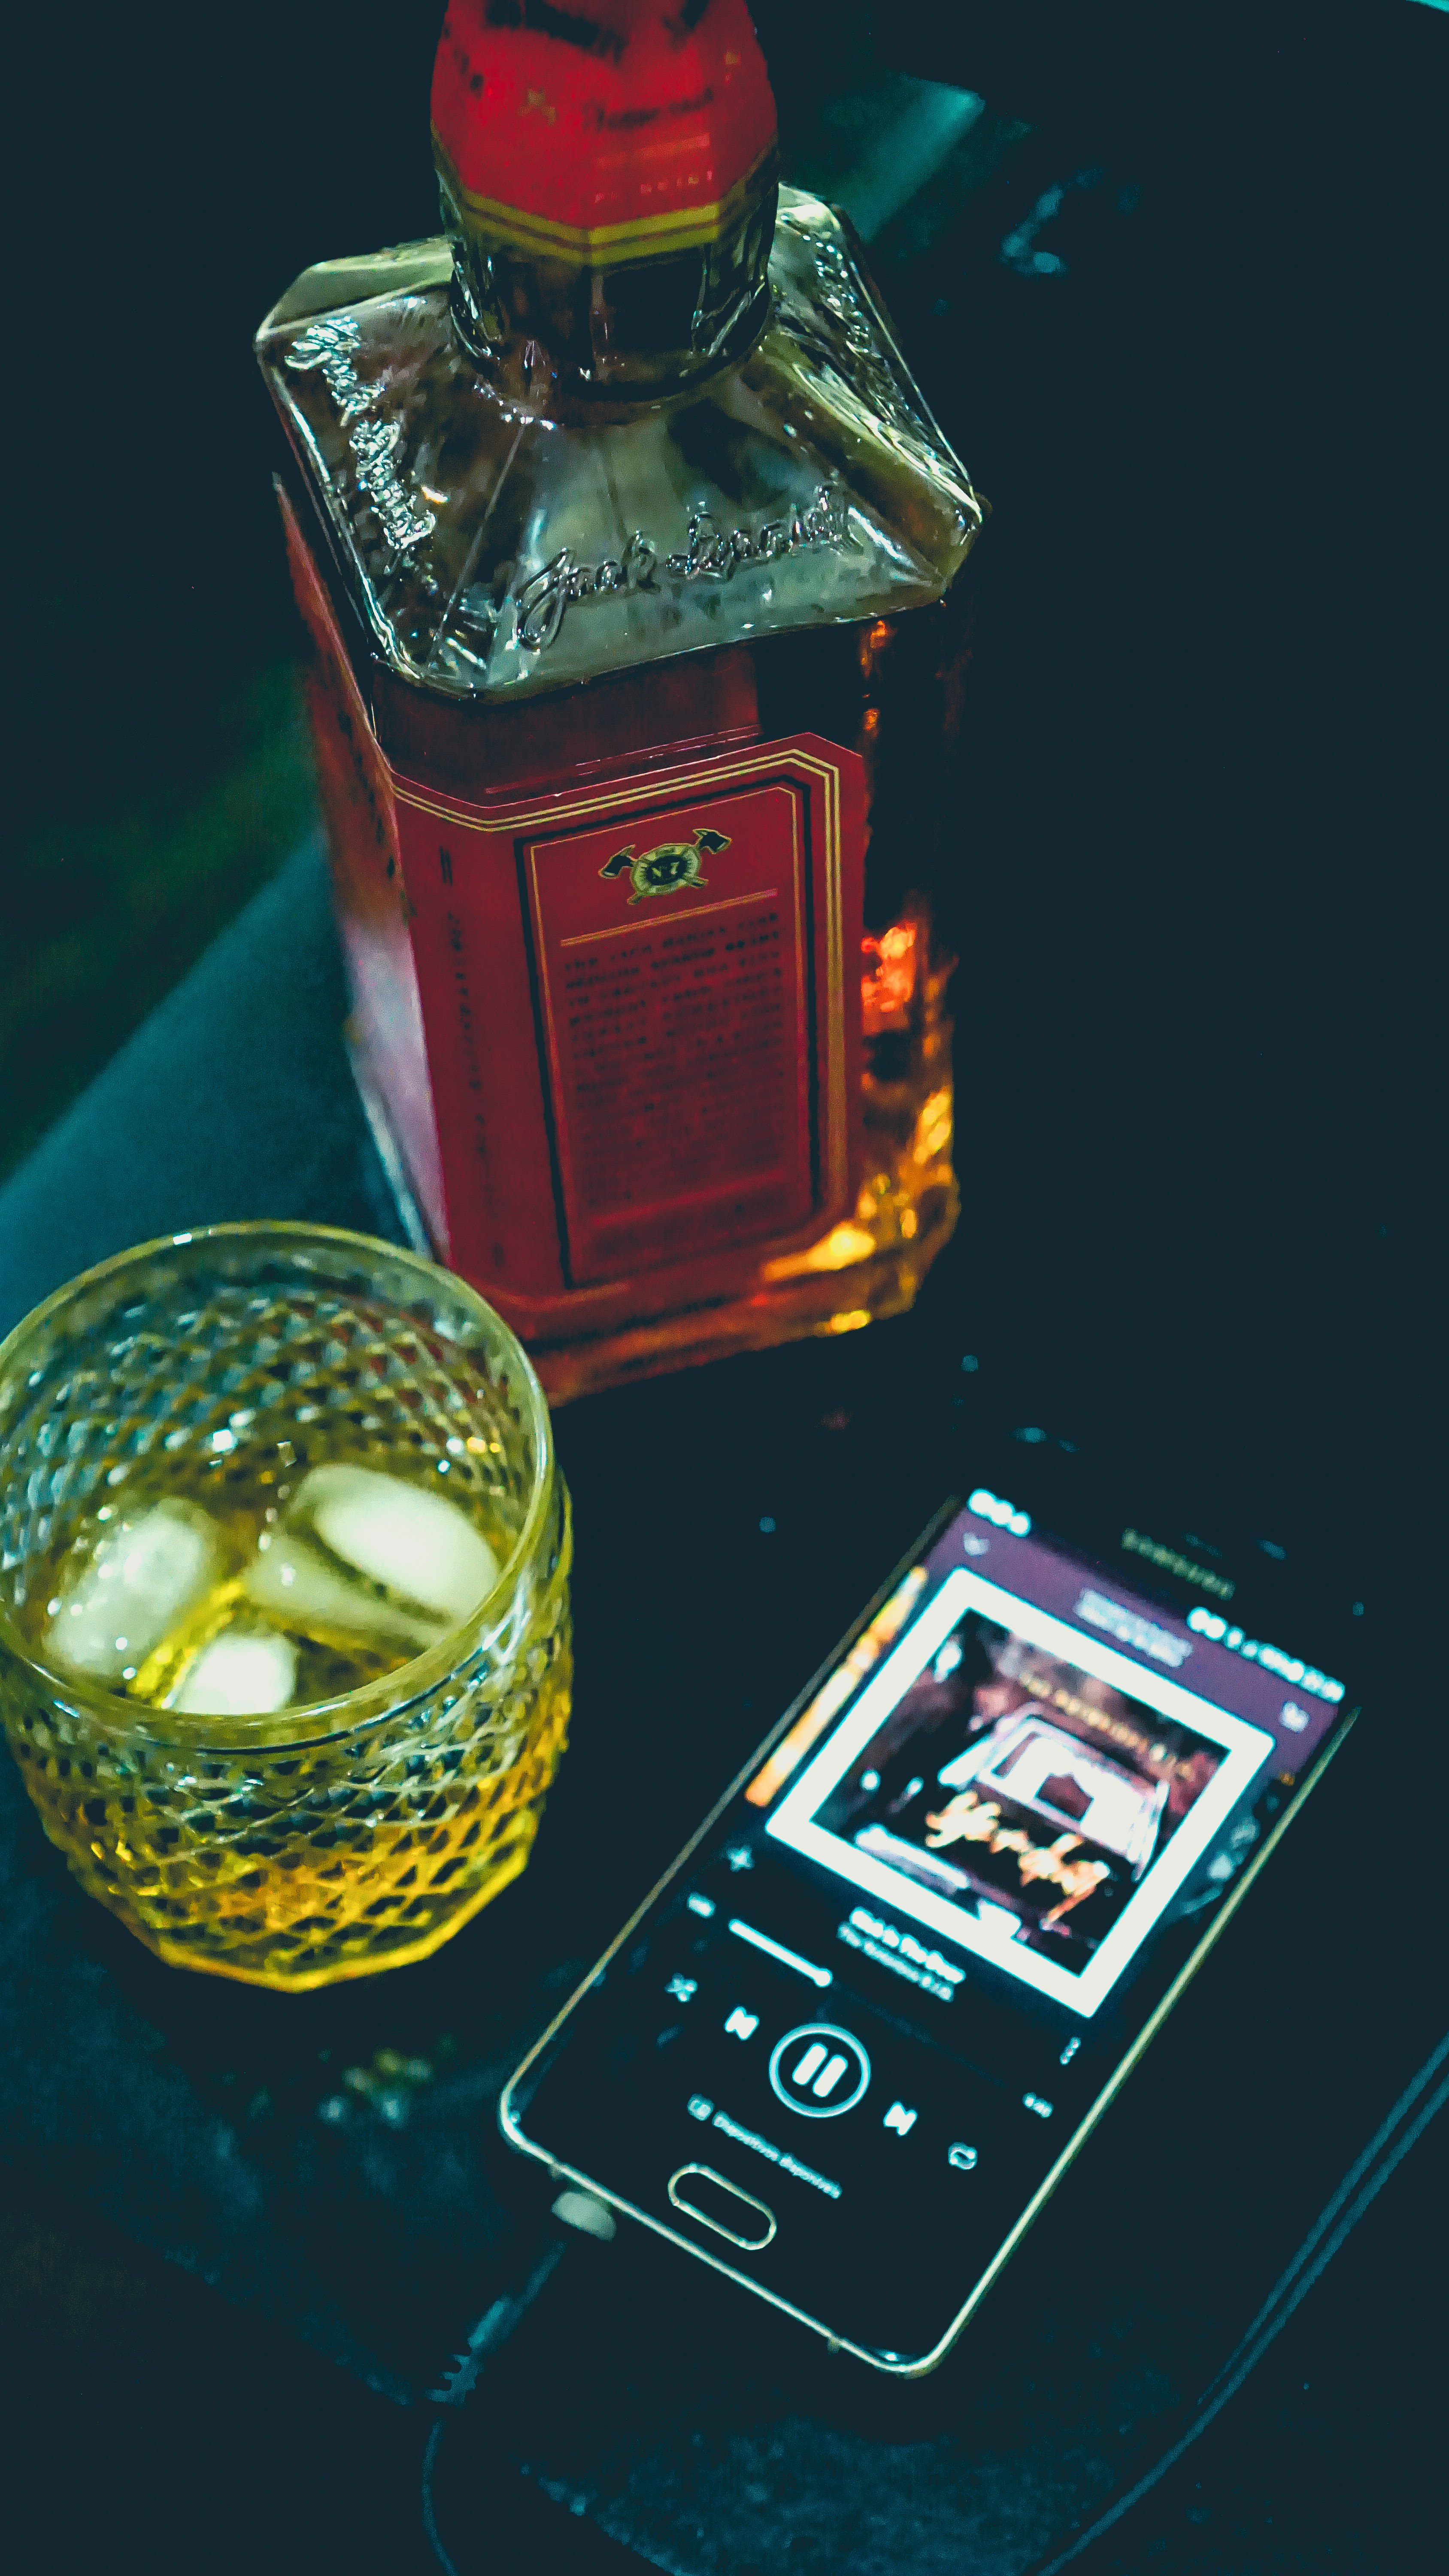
column 777, row 1950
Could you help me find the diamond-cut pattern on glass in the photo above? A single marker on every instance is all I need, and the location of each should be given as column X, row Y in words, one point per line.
column 354, row 1834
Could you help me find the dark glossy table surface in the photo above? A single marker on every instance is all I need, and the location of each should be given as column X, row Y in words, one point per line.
column 1190, row 1049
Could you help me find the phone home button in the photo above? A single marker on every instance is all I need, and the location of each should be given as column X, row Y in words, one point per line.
column 703, row 2194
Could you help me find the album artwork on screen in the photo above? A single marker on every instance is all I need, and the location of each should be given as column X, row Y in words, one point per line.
column 1023, row 1788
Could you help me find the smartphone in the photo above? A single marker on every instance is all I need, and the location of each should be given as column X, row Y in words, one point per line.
column 855, row 2037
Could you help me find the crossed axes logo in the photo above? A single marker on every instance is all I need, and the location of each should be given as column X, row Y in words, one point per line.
column 669, row 865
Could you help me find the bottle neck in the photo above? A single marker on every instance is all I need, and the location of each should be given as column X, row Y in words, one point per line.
column 627, row 329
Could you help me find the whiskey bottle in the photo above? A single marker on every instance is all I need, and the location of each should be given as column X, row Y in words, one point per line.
column 631, row 558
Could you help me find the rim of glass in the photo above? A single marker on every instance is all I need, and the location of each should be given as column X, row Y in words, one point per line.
column 390, row 1693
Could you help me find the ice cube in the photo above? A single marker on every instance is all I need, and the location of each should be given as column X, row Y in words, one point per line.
column 245, row 1672
column 413, row 1542
column 302, row 1589
column 140, row 1581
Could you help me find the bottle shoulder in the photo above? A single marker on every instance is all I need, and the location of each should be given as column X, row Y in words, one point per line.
column 493, row 550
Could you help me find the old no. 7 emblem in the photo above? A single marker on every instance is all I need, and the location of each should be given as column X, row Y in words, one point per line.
column 669, row 865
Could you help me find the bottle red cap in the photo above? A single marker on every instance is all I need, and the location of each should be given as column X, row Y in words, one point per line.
column 604, row 131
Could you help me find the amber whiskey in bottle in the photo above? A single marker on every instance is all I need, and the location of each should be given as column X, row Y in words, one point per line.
column 631, row 558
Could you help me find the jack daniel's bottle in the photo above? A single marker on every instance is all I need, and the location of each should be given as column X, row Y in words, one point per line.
column 630, row 554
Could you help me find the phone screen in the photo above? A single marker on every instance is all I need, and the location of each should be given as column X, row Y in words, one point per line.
column 891, row 1984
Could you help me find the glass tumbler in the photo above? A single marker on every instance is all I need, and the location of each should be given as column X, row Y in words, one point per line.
column 226, row 1466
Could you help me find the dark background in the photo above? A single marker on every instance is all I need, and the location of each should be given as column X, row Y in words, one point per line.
column 1193, row 1023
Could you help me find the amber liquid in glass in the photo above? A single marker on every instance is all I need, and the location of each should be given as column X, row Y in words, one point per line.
column 240, row 1505
column 350, row 1839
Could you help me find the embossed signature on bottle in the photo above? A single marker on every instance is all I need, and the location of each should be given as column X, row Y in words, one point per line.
column 328, row 345
column 709, row 553
column 541, row 602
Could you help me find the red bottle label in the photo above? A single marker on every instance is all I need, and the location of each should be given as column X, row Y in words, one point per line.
column 642, row 1008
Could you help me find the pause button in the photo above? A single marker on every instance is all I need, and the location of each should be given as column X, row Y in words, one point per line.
column 819, row 2071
